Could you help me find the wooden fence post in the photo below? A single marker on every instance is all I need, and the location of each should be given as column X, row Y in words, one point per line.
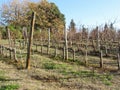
column 10, row 52
column 118, row 61
column 86, row 59
column 101, row 60
column 64, row 53
column 14, row 54
column 98, row 40
column 48, row 48
column 9, row 36
column 66, row 43
column 36, row 48
column 55, row 51
column 41, row 49
column 73, row 54
column 3, row 50
column 86, row 48
column 30, row 41
column 106, row 52
column 0, row 49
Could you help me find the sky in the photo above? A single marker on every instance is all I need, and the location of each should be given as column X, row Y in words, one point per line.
column 88, row 12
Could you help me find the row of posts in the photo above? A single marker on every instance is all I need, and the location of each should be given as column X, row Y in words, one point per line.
column 86, row 56
column 12, row 52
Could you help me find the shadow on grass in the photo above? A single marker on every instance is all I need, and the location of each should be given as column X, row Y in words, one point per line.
column 4, row 79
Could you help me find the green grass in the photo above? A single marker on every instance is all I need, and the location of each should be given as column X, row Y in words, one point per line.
column 2, row 76
column 10, row 87
column 107, row 79
column 68, row 70
column 52, row 65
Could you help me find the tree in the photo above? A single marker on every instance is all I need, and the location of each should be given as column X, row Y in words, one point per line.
column 18, row 14
column 48, row 15
column 84, row 32
column 15, row 12
column 72, row 26
column 108, row 33
column 72, row 31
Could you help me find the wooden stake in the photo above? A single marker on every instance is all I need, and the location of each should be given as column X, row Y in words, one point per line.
column 118, row 61
column 41, row 49
column 64, row 53
column 101, row 60
column 66, row 44
column 14, row 53
column 73, row 54
column 55, row 51
column 9, row 37
column 48, row 49
column 30, row 41
column 86, row 59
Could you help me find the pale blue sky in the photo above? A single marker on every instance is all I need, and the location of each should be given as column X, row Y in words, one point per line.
column 88, row 12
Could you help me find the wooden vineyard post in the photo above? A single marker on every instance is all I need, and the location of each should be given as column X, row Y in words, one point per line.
column 0, row 49
column 101, row 60
column 36, row 47
column 93, row 44
column 9, row 37
column 41, row 49
column 86, row 59
column 24, row 32
column 66, row 44
column 6, row 51
column 64, row 53
column 14, row 54
column 55, row 51
column 48, row 48
column 10, row 53
column 98, row 39
column 86, row 48
column 106, row 52
column 3, row 50
column 118, row 61
column 30, row 41
column 73, row 54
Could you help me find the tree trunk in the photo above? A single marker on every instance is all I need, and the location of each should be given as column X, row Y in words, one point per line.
column 30, row 41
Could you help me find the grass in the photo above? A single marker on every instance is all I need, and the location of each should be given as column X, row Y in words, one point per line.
column 10, row 87
column 2, row 77
column 67, row 68
column 68, row 71
column 7, row 87
column 52, row 65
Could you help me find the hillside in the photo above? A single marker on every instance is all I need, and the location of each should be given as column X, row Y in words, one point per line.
column 51, row 74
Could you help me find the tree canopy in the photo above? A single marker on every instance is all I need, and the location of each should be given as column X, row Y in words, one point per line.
column 18, row 13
